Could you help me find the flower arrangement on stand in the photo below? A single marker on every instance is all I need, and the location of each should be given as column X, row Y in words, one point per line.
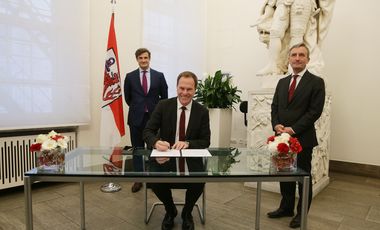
column 49, row 148
column 284, row 150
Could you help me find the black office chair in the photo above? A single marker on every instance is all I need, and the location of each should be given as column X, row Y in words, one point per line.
column 201, row 210
column 244, row 109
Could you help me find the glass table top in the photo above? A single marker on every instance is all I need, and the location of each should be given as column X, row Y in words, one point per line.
column 118, row 162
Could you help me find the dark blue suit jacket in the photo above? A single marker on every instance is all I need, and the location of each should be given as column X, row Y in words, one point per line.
column 136, row 99
column 303, row 110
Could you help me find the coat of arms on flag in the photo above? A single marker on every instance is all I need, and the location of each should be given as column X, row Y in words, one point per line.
column 112, row 88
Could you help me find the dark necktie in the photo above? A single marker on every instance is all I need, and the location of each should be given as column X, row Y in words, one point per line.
column 145, row 83
column 145, row 87
column 292, row 88
column 182, row 137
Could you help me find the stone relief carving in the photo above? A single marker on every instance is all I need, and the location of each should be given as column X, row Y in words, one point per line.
column 320, row 161
column 259, row 120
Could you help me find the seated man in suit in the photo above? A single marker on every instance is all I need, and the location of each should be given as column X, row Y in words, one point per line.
column 179, row 123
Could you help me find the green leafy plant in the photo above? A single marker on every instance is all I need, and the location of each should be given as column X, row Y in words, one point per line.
column 218, row 91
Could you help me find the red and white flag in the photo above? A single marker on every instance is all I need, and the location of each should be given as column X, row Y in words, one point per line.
column 112, row 117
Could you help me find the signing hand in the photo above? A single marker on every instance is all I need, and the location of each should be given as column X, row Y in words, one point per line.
column 162, row 145
column 181, row 145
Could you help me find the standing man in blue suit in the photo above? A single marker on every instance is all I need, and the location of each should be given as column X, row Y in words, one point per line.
column 143, row 88
column 297, row 104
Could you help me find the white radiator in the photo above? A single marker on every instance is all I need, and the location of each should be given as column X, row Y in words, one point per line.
column 15, row 158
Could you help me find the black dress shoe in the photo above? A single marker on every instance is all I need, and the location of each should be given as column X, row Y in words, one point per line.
column 296, row 222
column 280, row 213
column 168, row 221
column 188, row 222
column 136, row 187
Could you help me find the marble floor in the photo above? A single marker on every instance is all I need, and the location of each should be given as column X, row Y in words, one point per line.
column 348, row 203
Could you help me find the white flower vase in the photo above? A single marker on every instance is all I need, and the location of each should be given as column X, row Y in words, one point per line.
column 51, row 160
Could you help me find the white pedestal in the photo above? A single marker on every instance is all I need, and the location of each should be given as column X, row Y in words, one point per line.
column 220, row 125
column 260, row 128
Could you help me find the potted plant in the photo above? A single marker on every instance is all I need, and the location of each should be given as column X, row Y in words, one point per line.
column 218, row 91
column 219, row 95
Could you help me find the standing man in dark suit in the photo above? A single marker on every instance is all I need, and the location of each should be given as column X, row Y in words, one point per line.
column 163, row 131
column 143, row 88
column 297, row 104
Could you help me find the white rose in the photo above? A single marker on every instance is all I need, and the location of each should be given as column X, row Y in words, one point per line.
column 284, row 137
column 272, row 146
column 49, row 144
column 52, row 133
column 62, row 143
column 41, row 138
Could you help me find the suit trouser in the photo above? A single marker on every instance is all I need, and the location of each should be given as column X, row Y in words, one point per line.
column 164, row 194
column 137, row 141
column 288, row 189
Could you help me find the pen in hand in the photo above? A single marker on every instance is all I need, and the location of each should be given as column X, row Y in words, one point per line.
column 162, row 145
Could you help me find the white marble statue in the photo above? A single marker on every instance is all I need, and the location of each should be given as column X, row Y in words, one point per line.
column 284, row 23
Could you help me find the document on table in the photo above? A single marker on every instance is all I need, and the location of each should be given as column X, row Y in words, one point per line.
column 195, row 153
column 181, row 153
column 167, row 153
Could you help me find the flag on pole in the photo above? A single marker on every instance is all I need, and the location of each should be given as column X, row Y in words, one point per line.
column 112, row 116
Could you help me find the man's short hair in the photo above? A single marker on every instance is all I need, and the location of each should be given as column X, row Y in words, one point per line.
column 188, row 74
column 298, row 46
column 141, row 51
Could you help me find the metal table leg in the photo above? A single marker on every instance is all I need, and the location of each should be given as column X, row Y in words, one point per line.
column 305, row 202
column 258, row 201
column 28, row 203
column 82, row 214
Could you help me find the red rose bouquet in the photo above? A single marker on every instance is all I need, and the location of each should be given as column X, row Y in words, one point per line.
column 284, row 150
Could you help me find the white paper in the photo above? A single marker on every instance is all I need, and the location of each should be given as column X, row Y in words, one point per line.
column 167, row 153
column 195, row 153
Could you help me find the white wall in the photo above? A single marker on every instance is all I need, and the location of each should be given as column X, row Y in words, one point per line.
column 234, row 47
column 350, row 51
column 128, row 21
